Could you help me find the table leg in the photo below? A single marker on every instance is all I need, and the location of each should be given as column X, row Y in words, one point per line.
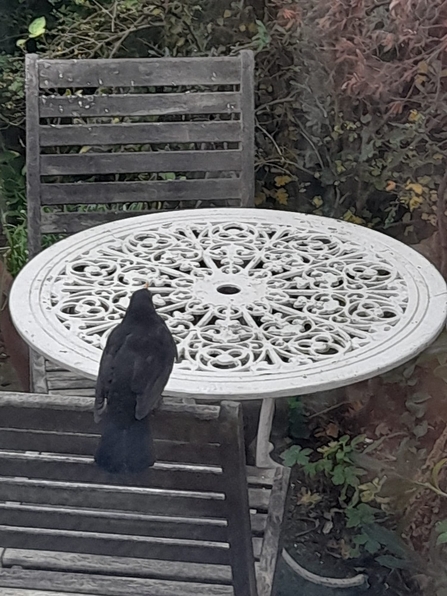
column 263, row 445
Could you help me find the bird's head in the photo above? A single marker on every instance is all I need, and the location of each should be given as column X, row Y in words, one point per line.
column 141, row 304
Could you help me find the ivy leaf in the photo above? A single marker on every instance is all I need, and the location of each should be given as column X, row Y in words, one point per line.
column 372, row 547
column 338, row 475
column 37, row 27
column 296, row 455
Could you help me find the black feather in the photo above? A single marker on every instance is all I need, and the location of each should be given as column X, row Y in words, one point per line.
column 135, row 366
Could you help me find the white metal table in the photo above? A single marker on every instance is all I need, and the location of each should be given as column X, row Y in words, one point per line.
column 262, row 303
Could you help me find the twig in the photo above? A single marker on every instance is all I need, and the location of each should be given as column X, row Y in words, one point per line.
column 268, row 135
column 125, row 35
column 326, row 410
column 112, row 25
column 275, row 102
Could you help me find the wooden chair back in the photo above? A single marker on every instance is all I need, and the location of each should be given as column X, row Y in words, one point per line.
column 193, row 507
column 113, row 138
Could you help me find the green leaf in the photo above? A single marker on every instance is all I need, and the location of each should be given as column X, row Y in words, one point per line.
column 37, row 27
column 361, row 539
column 168, row 176
column 7, row 157
column 421, row 429
column 372, row 547
column 392, row 562
column 357, row 440
column 435, row 479
column 442, row 538
column 360, row 515
column 389, row 539
column 20, row 43
column 338, row 475
column 296, row 455
column 441, row 526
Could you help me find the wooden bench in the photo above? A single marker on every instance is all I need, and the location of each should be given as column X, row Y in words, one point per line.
column 188, row 122
column 199, row 522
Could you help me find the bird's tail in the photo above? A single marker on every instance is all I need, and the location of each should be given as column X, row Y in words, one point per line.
column 125, row 449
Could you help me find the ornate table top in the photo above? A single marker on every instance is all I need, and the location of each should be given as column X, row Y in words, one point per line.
column 261, row 303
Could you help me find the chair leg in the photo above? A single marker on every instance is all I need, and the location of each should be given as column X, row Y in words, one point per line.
column 38, row 378
column 263, row 445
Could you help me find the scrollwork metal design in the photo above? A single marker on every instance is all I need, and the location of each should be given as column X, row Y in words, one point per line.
column 249, row 297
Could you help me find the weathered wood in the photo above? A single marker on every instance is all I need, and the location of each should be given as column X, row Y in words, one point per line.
column 156, row 533
column 260, row 476
column 259, row 498
column 67, row 468
column 85, row 444
column 113, row 102
column 54, row 442
column 270, row 545
column 88, row 392
column 150, row 104
column 129, row 192
column 136, row 162
column 37, row 401
column 140, row 500
column 32, row 155
column 248, row 129
column 140, row 133
column 105, row 586
column 113, row 522
column 31, row 592
column 119, row 522
column 236, row 496
column 70, row 223
column 35, row 411
column 145, row 547
column 139, row 73
column 50, row 561
column 75, row 381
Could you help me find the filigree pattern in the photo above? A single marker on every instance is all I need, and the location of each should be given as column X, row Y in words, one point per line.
column 249, row 297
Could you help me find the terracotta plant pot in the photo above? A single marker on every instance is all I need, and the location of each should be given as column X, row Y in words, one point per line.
column 15, row 347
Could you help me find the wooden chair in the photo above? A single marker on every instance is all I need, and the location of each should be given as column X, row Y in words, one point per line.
column 109, row 139
column 199, row 522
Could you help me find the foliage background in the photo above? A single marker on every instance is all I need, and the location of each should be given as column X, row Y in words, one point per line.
column 351, row 95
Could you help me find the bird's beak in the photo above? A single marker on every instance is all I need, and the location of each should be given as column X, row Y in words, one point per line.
column 146, row 285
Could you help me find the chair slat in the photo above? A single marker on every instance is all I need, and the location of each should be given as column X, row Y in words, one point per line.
column 76, row 583
column 139, row 105
column 70, row 223
column 139, row 73
column 78, row 563
column 149, row 547
column 136, row 162
column 85, row 444
column 154, row 132
column 67, row 468
column 106, row 521
column 128, row 192
column 155, row 502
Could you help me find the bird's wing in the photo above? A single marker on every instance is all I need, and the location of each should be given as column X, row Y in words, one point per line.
column 105, row 374
column 150, row 375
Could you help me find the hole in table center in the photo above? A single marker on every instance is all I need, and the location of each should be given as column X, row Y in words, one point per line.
column 227, row 289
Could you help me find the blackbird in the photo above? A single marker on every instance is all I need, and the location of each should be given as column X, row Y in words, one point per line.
column 135, row 366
